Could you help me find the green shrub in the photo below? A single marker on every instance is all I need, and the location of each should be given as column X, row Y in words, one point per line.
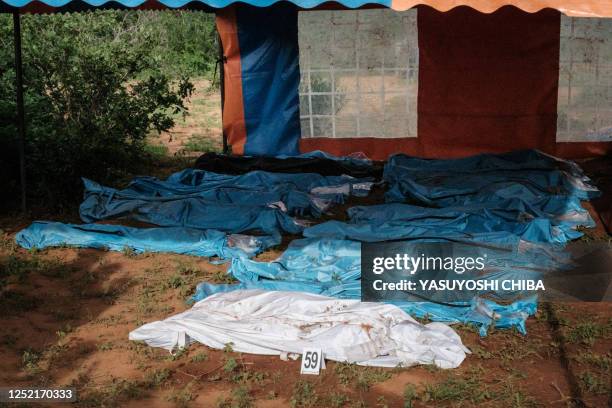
column 97, row 83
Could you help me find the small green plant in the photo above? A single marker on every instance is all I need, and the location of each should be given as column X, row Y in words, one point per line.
column 30, row 360
column 304, row 395
column 14, row 268
column 175, row 282
column 481, row 352
column 592, row 383
column 177, row 355
column 241, row 397
column 63, row 332
column 457, row 388
column 156, row 378
column 125, row 389
column 223, row 277
column 182, row 397
column 361, row 377
column 410, row 395
column 230, row 365
column 200, row 357
column 381, row 402
column 129, row 252
column 600, row 361
column 336, row 400
column 112, row 393
column 587, row 332
column 106, row 346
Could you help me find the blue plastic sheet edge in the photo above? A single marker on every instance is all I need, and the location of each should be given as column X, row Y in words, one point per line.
column 204, row 243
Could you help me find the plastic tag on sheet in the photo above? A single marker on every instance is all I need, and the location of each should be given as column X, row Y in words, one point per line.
column 312, row 361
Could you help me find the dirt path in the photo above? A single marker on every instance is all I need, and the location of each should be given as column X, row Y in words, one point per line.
column 200, row 130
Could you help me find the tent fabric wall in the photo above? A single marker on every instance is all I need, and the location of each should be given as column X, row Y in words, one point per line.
column 261, row 109
column 234, row 127
column 270, row 79
column 471, row 83
column 487, row 83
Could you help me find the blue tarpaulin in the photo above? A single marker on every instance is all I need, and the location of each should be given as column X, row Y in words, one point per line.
column 189, row 212
column 487, row 197
column 530, row 176
column 270, row 72
column 511, row 218
column 502, row 200
column 207, row 243
column 259, row 180
column 233, row 203
column 524, row 204
column 333, row 268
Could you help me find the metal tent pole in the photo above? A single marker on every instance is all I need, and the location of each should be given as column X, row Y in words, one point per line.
column 221, row 62
column 20, row 106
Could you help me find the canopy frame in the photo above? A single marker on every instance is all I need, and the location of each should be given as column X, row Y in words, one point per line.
column 21, row 126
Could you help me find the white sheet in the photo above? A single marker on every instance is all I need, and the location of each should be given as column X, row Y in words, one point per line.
column 274, row 323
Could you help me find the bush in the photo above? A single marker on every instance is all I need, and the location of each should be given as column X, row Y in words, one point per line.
column 97, row 83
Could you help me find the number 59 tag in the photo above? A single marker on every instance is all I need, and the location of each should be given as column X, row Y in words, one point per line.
column 312, row 361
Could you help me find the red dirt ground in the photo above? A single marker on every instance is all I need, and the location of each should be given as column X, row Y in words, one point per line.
column 66, row 315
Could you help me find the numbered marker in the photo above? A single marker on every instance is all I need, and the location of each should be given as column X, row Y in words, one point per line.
column 312, row 361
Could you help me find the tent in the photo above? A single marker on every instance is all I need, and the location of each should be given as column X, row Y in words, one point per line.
column 433, row 78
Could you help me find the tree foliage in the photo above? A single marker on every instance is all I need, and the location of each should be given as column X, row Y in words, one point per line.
column 97, row 83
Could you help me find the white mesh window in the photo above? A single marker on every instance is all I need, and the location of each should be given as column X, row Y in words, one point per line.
column 359, row 73
column 584, row 108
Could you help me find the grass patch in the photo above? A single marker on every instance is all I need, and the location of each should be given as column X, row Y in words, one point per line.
column 183, row 397
column 200, row 143
column 304, row 395
column 586, row 333
column 106, row 346
column 156, row 151
column 199, row 358
column 223, row 277
column 469, row 388
column 456, row 389
column 410, row 395
column 15, row 269
column 154, row 379
column 129, row 252
column 240, row 398
column 119, row 390
column 335, row 400
column 7, row 243
column 592, row 383
column 600, row 361
column 361, row 377
column 30, row 360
